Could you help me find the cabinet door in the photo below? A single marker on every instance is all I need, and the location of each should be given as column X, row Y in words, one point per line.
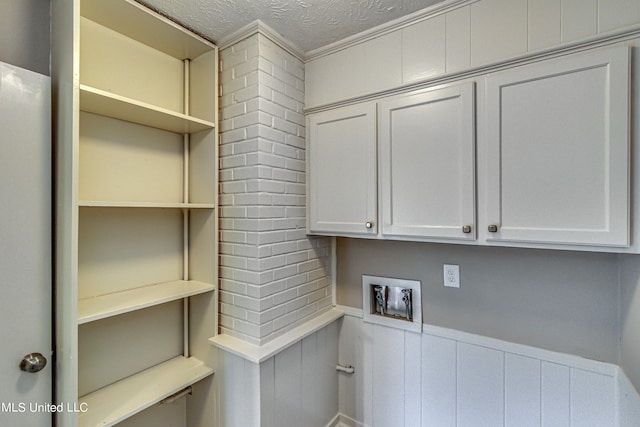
column 427, row 158
column 558, row 151
column 342, row 171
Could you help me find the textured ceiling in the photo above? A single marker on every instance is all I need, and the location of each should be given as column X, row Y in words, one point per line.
column 308, row 24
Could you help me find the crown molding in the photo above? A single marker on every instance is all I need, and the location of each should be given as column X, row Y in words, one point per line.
column 259, row 27
column 389, row 27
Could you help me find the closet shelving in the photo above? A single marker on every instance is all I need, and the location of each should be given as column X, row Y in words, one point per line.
column 119, row 107
column 136, row 215
column 96, row 308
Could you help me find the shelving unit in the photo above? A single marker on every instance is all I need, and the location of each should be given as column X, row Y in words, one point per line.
column 137, row 218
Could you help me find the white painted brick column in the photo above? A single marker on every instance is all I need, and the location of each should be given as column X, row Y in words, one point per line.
column 273, row 277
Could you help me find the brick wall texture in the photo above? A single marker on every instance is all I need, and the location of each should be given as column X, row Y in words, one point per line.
column 272, row 277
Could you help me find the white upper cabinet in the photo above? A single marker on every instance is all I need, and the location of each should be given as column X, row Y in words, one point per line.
column 342, row 171
column 538, row 155
column 557, row 157
column 427, row 164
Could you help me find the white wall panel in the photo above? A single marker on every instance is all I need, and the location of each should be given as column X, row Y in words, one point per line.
column 543, row 24
column 382, row 63
column 336, row 76
column 498, row 30
column 288, row 411
column 480, row 383
column 251, row 394
column 522, row 391
column 325, row 402
column 238, row 404
column 333, row 332
column 629, row 404
column 579, row 19
column 461, row 380
column 267, row 393
column 315, row 84
column 310, row 377
column 458, row 39
column 592, row 399
column 439, row 390
column 348, row 390
column 412, row 378
column 298, row 386
column 423, row 49
column 346, row 73
column 365, row 409
column 475, row 34
column 556, row 393
column 441, row 377
column 614, row 14
column 388, row 377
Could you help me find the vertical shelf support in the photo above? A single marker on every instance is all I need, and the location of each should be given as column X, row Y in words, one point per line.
column 185, row 212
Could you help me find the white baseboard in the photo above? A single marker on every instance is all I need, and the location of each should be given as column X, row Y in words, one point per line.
column 335, row 422
column 341, row 420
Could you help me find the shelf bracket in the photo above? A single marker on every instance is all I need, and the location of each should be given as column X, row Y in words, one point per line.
column 178, row 395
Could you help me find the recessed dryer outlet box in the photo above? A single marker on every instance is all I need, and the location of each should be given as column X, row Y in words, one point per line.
column 392, row 302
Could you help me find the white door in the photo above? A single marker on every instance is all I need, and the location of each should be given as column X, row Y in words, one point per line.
column 342, row 174
column 25, row 247
column 427, row 164
column 558, row 151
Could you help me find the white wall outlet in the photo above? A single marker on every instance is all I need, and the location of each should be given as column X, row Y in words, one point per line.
column 451, row 275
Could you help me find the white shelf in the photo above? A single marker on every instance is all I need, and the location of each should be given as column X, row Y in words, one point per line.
column 127, row 397
column 97, row 101
column 96, row 308
column 139, row 23
column 154, row 205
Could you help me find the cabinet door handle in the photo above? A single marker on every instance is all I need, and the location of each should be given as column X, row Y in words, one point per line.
column 493, row 228
column 466, row 229
column 369, row 224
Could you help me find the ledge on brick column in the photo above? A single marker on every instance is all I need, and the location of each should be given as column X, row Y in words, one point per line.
column 258, row 354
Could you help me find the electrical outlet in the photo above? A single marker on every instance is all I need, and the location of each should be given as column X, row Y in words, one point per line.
column 451, row 275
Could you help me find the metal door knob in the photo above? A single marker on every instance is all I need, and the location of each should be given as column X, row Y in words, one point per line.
column 33, row 362
column 369, row 224
column 493, row 228
column 466, row 229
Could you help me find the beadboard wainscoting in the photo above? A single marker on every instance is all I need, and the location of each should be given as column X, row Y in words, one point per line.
column 298, row 386
column 440, row 377
column 444, row 377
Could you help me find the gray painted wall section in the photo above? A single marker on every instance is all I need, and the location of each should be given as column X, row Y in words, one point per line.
column 630, row 317
column 556, row 300
column 25, row 34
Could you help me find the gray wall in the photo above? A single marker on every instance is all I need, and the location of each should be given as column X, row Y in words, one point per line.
column 557, row 300
column 630, row 317
column 25, row 34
